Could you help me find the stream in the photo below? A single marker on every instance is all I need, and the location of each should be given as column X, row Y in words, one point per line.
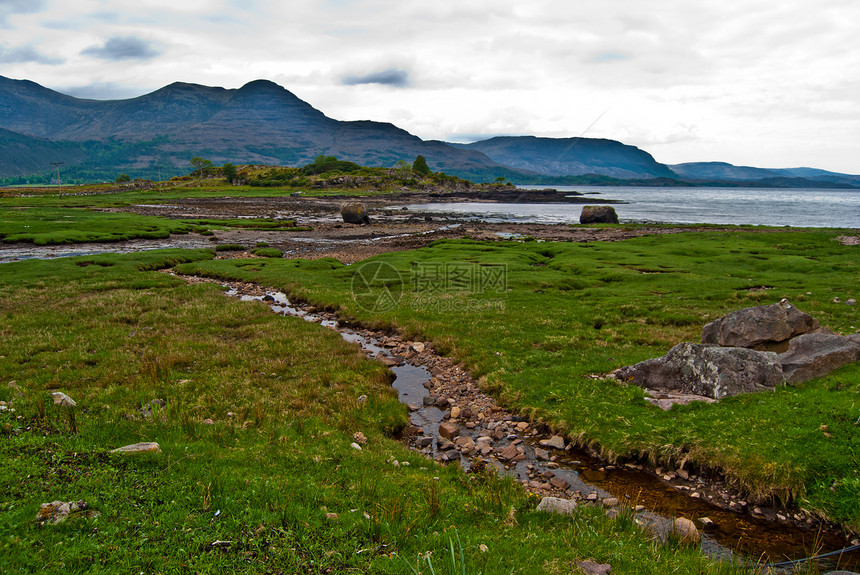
column 548, row 465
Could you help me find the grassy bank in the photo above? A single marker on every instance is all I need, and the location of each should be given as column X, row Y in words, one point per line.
column 257, row 473
column 568, row 311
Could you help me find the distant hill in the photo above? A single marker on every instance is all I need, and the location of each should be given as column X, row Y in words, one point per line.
column 792, row 177
column 571, row 157
column 263, row 123
column 260, row 122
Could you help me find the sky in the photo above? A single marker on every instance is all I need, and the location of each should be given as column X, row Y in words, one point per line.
column 766, row 83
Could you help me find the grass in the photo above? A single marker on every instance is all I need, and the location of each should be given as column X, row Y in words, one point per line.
column 256, row 472
column 566, row 311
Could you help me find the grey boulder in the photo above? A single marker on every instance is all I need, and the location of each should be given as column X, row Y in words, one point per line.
column 708, row 370
column 765, row 327
column 816, row 354
column 598, row 215
column 354, row 213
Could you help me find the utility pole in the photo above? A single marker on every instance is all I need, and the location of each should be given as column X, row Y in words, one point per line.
column 59, row 185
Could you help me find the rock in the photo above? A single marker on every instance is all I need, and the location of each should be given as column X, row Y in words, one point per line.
column 510, row 452
column 541, row 453
column 598, row 215
column 765, row 327
column 449, row 430
column 455, row 412
column 611, row 502
column 815, row 354
column 331, row 516
column 63, row 400
column 557, row 505
column 361, row 399
column 592, row 568
column 708, row 370
column 145, row 447
column 556, row 442
column 559, row 483
column 422, row 442
column 465, row 444
column 208, row 421
column 685, row 530
column 59, row 511
column 418, row 347
column 354, row 213
column 359, row 438
column 355, row 446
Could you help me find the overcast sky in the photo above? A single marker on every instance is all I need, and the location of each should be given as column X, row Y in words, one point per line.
column 768, row 83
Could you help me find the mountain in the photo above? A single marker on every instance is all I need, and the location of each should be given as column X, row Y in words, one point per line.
column 571, row 156
column 260, row 122
column 792, row 177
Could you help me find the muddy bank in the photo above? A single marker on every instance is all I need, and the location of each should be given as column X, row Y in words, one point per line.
column 453, row 421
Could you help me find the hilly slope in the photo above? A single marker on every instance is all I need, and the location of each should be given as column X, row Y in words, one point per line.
column 571, row 156
column 260, row 122
column 730, row 172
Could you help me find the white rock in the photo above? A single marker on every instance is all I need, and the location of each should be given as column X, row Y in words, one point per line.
column 144, row 447
column 557, row 505
column 63, row 400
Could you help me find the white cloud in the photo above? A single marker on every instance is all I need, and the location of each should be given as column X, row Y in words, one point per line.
column 753, row 82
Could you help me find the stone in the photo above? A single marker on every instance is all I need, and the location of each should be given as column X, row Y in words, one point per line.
column 465, row 444
column 611, row 502
column 541, row 453
column 708, row 370
column 510, row 452
column 592, row 568
column 815, row 354
column 685, row 530
column 449, row 430
column 144, row 447
column 63, row 400
column 556, row 442
column 58, row 511
column 418, row 347
column 354, row 213
column 455, row 412
column 359, row 438
column 598, row 215
column 557, row 505
column 559, row 483
column 765, row 328
column 422, row 442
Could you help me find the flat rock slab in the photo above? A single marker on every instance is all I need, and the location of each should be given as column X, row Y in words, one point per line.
column 146, row 447
column 815, row 354
column 764, row 327
column 707, row 370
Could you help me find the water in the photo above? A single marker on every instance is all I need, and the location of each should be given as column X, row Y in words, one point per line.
column 743, row 206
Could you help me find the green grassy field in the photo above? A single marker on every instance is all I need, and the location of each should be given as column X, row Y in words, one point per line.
column 256, row 474
column 568, row 311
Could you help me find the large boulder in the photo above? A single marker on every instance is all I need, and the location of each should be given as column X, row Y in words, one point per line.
column 767, row 327
column 708, row 370
column 598, row 215
column 354, row 213
column 815, row 354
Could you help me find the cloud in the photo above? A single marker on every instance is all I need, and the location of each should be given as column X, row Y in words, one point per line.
column 123, row 48
column 9, row 7
column 26, row 54
column 391, row 77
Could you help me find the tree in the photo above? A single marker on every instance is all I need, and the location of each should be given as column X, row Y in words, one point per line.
column 201, row 166
column 123, row 178
column 229, row 171
column 420, row 166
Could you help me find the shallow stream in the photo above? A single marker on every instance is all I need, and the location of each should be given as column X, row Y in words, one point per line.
column 725, row 532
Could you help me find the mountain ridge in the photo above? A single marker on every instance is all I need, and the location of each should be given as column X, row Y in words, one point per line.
column 264, row 123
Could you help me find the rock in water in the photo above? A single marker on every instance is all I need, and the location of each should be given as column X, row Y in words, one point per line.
column 557, row 505
column 708, row 370
column 598, row 215
column 815, row 354
column 685, row 530
column 765, row 327
column 354, row 214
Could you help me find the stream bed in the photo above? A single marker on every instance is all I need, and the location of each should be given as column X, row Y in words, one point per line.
column 548, row 465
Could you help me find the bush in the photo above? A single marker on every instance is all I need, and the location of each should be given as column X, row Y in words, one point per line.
column 123, row 178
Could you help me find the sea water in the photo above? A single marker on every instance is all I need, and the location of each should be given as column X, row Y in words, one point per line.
column 830, row 208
